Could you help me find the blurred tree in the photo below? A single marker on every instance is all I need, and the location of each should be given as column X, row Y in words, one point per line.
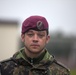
column 60, row 45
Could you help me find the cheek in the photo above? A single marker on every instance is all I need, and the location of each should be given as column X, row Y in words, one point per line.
column 44, row 41
column 27, row 41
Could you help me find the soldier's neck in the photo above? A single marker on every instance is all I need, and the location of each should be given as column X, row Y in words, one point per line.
column 32, row 54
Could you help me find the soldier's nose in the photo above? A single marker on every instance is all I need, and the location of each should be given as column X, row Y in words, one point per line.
column 35, row 38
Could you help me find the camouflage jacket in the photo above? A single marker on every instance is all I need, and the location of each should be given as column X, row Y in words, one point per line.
column 19, row 65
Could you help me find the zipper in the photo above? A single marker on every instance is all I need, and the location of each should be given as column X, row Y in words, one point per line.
column 32, row 61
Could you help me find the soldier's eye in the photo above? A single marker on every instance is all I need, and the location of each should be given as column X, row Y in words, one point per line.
column 41, row 35
column 30, row 34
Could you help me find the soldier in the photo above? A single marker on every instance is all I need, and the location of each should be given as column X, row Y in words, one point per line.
column 33, row 58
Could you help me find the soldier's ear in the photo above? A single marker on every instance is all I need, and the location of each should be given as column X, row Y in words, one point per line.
column 48, row 39
column 22, row 37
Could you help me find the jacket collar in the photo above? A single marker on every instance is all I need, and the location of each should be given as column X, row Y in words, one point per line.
column 21, row 59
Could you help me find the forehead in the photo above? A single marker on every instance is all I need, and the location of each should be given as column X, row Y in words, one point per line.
column 35, row 31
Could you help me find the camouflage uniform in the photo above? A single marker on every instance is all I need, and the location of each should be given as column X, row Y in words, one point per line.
column 19, row 64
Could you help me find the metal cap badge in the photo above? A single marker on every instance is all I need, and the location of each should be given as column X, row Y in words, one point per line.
column 40, row 25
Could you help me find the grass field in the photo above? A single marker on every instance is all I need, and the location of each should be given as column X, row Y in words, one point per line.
column 73, row 72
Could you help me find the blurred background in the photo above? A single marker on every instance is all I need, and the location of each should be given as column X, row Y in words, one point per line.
column 61, row 16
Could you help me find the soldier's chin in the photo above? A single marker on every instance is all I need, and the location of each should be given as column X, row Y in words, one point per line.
column 35, row 51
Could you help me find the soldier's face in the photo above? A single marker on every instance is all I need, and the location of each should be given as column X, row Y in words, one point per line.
column 35, row 41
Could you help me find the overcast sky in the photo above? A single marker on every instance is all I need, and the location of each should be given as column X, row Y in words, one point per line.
column 61, row 14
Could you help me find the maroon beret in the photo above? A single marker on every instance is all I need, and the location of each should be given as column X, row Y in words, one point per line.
column 35, row 22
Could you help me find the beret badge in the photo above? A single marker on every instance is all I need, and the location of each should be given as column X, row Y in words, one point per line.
column 40, row 25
